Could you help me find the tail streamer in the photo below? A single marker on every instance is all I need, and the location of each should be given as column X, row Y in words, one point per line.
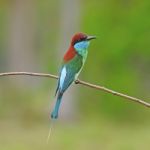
column 50, row 132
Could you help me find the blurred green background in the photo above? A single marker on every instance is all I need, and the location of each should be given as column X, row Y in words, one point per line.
column 33, row 37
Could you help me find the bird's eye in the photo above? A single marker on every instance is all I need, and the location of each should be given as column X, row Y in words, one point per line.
column 82, row 39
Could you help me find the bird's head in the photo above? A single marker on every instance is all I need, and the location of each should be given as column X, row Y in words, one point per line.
column 81, row 41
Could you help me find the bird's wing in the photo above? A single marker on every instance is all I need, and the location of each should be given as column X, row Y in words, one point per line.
column 68, row 73
column 59, row 79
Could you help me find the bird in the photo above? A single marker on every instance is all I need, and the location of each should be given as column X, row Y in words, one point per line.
column 72, row 64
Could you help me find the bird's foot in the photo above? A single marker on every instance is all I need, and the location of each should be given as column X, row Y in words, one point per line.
column 76, row 81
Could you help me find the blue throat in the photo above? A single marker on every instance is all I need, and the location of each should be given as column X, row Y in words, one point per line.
column 81, row 47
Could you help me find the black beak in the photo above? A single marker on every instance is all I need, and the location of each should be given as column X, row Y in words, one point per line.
column 90, row 38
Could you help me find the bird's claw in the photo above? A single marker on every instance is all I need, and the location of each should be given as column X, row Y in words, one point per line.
column 76, row 81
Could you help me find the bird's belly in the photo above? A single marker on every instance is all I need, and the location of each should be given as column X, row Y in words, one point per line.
column 77, row 74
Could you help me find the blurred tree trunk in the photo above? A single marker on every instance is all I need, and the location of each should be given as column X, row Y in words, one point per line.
column 69, row 24
column 21, row 31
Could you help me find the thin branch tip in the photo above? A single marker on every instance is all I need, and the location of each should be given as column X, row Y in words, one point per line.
column 98, row 87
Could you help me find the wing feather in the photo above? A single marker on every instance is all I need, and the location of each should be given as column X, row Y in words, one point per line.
column 68, row 73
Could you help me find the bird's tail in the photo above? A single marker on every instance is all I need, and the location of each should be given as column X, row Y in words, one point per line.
column 54, row 114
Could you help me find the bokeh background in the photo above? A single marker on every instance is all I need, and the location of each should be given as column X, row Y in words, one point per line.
column 33, row 37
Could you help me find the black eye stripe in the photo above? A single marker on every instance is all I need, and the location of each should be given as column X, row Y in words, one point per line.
column 82, row 39
column 79, row 40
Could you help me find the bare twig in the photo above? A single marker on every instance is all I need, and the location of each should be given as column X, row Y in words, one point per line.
column 114, row 93
column 29, row 74
column 101, row 88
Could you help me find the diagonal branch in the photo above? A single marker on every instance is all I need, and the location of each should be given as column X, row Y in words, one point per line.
column 101, row 88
